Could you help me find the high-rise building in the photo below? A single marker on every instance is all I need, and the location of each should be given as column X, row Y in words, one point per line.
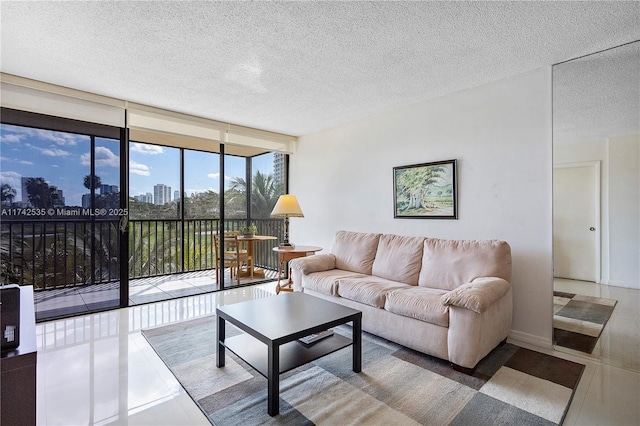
column 161, row 194
column 23, row 184
column 86, row 201
column 176, row 195
column 278, row 167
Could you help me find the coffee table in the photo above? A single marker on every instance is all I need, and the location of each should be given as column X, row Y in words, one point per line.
column 272, row 328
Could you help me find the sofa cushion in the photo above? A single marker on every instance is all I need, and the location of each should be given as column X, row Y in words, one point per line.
column 355, row 251
column 399, row 258
column 447, row 264
column 369, row 290
column 420, row 303
column 326, row 282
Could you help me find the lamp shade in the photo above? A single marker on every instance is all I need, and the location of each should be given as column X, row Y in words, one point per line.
column 287, row 206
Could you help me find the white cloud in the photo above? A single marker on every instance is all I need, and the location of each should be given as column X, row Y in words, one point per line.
column 11, row 178
column 11, row 138
column 28, row 163
column 139, row 169
column 54, row 152
column 145, row 149
column 104, row 157
column 213, row 175
column 59, row 138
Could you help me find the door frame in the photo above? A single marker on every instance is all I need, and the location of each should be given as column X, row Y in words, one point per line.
column 597, row 207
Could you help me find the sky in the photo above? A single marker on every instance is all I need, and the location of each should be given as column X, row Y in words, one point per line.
column 63, row 160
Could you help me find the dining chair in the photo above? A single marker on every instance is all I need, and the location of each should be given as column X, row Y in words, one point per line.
column 234, row 256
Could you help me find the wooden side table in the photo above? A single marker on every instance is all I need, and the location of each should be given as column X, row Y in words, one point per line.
column 285, row 255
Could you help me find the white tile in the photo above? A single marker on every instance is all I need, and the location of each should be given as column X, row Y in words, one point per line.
column 613, row 398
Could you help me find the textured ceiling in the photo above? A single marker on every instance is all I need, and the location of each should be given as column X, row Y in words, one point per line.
column 597, row 96
column 298, row 67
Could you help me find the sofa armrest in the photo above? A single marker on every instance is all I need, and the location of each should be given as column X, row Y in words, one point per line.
column 477, row 295
column 315, row 263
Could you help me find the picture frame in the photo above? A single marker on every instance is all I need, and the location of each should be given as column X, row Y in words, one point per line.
column 426, row 191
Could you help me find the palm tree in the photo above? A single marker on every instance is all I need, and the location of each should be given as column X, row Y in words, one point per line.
column 8, row 194
column 92, row 182
column 264, row 193
column 41, row 195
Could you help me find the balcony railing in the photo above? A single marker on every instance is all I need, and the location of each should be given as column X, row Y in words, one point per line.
column 55, row 253
column 157, row 247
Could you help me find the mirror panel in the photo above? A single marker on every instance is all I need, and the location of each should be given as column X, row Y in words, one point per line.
column 596, row 158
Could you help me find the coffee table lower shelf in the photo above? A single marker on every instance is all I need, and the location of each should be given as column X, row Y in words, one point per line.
column 292, row 354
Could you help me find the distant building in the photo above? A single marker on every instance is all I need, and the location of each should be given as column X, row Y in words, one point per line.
column 23, row 184
column 176, row 195
column 109, row 189
column 278, row 167
column 60, row 195
column 25, row 193
column 161, row 194
column 86, row 201
column 145, row 198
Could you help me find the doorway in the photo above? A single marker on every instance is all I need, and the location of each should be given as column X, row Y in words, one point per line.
column 576, row 221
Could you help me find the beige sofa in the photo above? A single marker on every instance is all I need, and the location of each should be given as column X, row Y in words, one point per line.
column 447, row 298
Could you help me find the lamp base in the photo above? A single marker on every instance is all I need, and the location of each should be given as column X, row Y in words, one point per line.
column 286, row 246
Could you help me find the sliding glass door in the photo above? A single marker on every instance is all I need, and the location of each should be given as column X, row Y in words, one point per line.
column 61, row 212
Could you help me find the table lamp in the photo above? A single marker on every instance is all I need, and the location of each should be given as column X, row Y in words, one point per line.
column 286, row 207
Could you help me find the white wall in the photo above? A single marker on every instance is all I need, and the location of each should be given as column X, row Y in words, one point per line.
column 500, row 134
column 624, row 211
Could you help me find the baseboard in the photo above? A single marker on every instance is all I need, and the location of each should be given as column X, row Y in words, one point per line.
column 519, row 338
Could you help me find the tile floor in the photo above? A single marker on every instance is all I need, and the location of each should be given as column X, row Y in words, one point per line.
column 83, row 299
column 98, row 369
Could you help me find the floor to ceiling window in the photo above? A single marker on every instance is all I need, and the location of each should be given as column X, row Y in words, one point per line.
column 61, row 208
column 70, row 227
column 175, row 214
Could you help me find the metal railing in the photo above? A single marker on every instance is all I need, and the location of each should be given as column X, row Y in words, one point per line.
column 58, row 253
column 162, row 247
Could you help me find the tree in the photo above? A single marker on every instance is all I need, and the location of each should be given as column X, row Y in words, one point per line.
column 8, row 193
column 264, row 193
column 413, row 185
column 41, row 195
column 92, row 182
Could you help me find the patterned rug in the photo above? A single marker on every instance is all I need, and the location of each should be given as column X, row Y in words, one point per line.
column 578, row 320
column 397, row 386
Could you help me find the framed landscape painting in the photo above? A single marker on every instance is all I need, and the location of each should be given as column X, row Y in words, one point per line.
column 425, row 191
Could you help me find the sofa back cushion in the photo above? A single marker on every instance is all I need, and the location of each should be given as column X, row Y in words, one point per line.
column 447, row 264
column 355, row 251
column 399, row 258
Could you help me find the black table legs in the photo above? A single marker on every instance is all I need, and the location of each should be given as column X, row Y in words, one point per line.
column 273, row 380
column 221, row 332
column 357, row 345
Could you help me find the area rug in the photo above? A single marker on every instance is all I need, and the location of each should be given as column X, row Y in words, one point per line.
column 578, row 320
column 397, row 386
